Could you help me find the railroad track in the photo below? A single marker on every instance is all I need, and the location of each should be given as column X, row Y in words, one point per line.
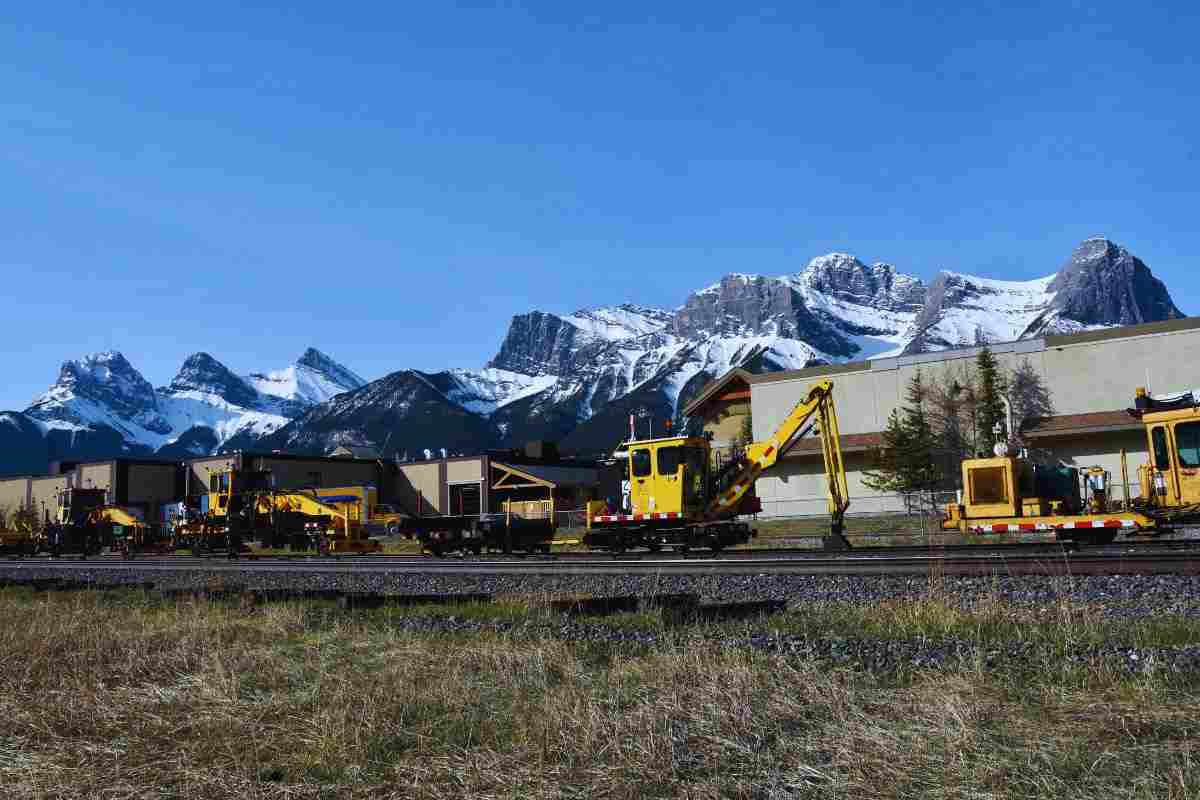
column 978, row 562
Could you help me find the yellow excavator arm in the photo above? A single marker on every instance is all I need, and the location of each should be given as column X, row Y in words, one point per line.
column 815, row 408
column 117, row 516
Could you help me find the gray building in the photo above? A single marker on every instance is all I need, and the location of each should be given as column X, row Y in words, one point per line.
column 1091, row 377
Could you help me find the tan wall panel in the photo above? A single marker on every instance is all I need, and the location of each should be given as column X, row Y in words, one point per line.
column 96, row 476
column 421, row 480
column 464, row 471
column 296, row 474
column 151, row 485
column 202, row 468
column 1103, row 376
column 45, row 490
column 797, row 487
column 14, row 494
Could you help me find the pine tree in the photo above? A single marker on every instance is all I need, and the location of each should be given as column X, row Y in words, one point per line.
column 990, row 399
column 905, row 462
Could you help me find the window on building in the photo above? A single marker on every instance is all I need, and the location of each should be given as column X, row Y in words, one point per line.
column 1162, row 454
column 641, row 463
column 1187, row 437
column 669, row 459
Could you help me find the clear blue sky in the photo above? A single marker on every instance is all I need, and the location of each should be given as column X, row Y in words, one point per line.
column 391, row 182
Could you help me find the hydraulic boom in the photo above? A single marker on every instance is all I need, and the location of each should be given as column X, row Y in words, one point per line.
column 815, row 408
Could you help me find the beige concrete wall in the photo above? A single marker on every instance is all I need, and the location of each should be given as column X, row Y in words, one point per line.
column 797, row 487
column 419, row 479
column 854, row 397
column 1081, row 377
column 466, row 471
column 14, row 494
column 1103, row 376
column 96, row 476
column 202, row 468
column 296, row 474
column 45, row 490
column 151, row 485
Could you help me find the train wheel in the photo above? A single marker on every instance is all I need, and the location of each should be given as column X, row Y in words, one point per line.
column 654, row 547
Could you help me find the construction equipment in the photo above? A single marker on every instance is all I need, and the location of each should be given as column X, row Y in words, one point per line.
column 1170, row 483
column 674, row 500
column 20, row 532
column 244, row 506
column 1011, row 494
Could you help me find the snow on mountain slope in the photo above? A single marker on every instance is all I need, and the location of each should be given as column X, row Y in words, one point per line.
column 314, row 378
column 485, row 390
column 105, row 391
column 622, row 322
column 986, row 310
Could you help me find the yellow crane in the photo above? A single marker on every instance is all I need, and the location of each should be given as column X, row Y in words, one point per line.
column 674, row 500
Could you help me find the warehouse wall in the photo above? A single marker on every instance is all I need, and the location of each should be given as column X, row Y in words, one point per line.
column 1084, row 374
column 464, row 471
column 202, row 468
column 45, row 490
column 96, row 476
column 418, row 487
column 151, row 486
column 299, row 473
column 14, row 493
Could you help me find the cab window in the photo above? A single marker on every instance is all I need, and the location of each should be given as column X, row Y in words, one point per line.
column 1162, row 456
column 1187, row 437
column 669, row 459
column 640, row 462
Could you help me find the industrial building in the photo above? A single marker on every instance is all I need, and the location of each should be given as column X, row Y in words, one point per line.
column 464, row 485
column 1091, row 378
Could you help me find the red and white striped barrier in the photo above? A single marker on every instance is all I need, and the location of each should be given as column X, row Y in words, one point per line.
column 635, row 517
column 1029, row 527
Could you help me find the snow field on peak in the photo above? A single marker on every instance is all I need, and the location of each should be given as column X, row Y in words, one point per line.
column 614, row 324
column 487, row 390
column 296, row 383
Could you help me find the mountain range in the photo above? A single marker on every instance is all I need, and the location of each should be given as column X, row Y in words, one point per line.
column 576, row 377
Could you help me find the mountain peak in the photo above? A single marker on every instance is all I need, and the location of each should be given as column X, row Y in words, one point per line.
column 97, row 385
column 1102, row 283
column 203, row 374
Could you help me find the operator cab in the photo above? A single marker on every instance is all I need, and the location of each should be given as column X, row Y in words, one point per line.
column 1172, row 478
column 668, row 476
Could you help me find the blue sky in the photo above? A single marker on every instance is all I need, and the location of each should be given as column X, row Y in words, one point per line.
column 392, row 182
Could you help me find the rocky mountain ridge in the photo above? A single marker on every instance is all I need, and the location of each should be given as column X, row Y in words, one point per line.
column 577, row 377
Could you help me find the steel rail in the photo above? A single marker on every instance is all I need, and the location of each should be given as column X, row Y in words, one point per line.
column 981, row 564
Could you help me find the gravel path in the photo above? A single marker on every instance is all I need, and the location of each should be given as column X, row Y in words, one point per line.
column 1122, row 596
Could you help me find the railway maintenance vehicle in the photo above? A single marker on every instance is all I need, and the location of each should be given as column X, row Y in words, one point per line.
column 1014, row 494
column 244, row 506
column 674, row 499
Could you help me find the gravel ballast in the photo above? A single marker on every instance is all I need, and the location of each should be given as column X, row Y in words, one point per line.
column 1126, row 596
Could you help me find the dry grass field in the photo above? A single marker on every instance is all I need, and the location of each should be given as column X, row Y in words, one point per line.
column 118, row 694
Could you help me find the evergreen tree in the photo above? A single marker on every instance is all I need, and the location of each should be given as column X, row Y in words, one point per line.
column 991, row 391
column 905, row 463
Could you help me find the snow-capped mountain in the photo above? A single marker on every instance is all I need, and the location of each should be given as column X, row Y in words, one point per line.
column 102, row 406
column 314, row 378
column 577, row 377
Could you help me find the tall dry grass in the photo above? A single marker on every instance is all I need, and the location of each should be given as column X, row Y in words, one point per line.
column 113, row 696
